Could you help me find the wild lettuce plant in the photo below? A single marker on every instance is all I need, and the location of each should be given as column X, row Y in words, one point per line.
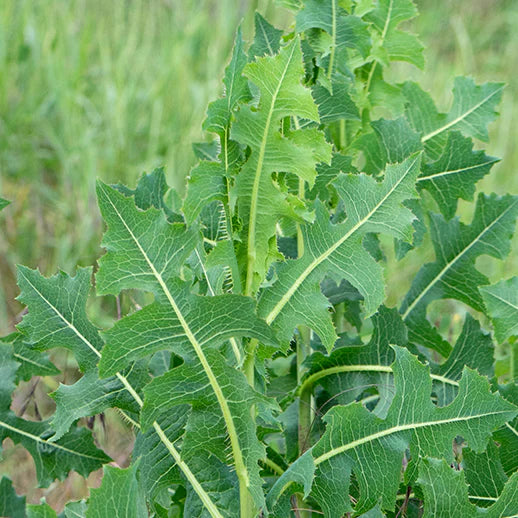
column 256, row 359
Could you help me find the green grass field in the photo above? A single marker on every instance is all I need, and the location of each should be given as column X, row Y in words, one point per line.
column 109, row 89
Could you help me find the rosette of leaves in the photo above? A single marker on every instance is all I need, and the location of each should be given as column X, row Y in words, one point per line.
column 254, row 356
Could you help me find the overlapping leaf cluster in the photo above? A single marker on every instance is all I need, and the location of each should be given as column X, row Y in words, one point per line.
column 260, row 370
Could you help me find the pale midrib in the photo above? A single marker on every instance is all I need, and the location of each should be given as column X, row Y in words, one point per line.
column 455, row 171
column 396, row 429
column 204, row 497
column 452, row 262
column 233, row 343
column 241, row 469
column 383, row 36
column 460, row 117
column 266, row 39
column 48, row 443
column 308, row 383
column 24, row 359
column 507, row 302
column 316, row 262
column 311, row 380
column 333, row 36
column 387, row 22
column 257, row 181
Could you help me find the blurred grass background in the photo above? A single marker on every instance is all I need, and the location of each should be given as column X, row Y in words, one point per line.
column 109, row 89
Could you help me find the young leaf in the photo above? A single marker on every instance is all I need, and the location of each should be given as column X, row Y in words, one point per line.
column 11, row 504
column 220, row 112
column 357, row 441
column 346, row 31
column 120, row 495
column 337, row 251
column 501, row 301
column 453, row 274
column 267, row 39
column 260, row 202
column 391, row 43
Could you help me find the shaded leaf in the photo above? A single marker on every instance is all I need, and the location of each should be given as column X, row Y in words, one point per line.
column 453, row 274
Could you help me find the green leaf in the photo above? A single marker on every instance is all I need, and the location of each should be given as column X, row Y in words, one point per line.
column 205, row 429
column 11, row 504
column 57, row 314
column 41, row 511
column 484, row 473
column 327, row 173
column 220, row 112
column 76, row 509
column 507, row 436
column 473, row 109
column 267, row 39
column 501, row 301
column 157, row 469
column 391, row 43
column 345, row 31
column 474, row 348
column 453, row 274
column 348, row 370
column 358, row 441
column 335, row 106
column 454, row 174
column 3, row 203
column 211, row 321
column 91, row 395
column 120, row 495
column 144, row 243
column 446, row 493
column 207, row 183
column 260, row 202
column 8, row 373
column 74, row 451
column 393, row 141
column 32, row 362
column 337, row 251
column 142, row 246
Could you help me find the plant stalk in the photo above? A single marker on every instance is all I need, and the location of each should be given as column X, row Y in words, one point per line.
column 303, row 351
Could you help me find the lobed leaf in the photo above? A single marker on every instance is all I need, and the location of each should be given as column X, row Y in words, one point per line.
column 501, row 301
column 453, row 274
column 337, row 251
column 357, row 441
